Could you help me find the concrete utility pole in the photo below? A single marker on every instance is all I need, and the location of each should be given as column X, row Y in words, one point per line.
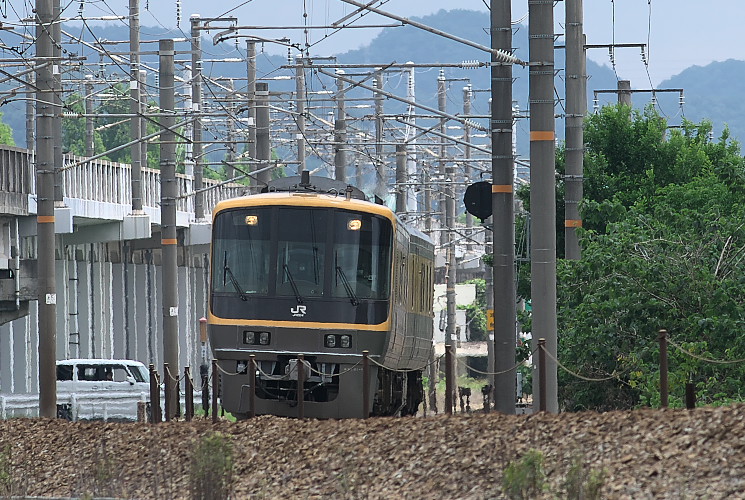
column 381, row 176
column 503, row 211
column 251, row 76
column 263, row 139
column 300, row 108
column 143, row 121
column 576, row 106
column 188, row 110
column 412, row 166
column 340, row 132
column 47, row 294
column 230, row 135
column 196, row 104
column 134, row 105
column 441, row 162
column 400, row 178
column 30, row 119
column 57, row 108
column 90, row 135
column 467, row 94
column 489, row 293
column 168, row 195
column 624, row 92
column 543, row 192
column 447, row 208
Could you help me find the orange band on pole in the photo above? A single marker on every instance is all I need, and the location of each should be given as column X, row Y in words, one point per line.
column 45, row 219
column 572, row 223
column 501, row 188
column 169, row 241
column 542, row 135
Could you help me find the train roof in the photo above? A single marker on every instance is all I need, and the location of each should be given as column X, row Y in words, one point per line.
column 306, row 191
column 316, row 192
column 305, row 200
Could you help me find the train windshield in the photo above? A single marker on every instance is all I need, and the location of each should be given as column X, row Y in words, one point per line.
column 301, row 253
column 361, row 259
column 240, row 252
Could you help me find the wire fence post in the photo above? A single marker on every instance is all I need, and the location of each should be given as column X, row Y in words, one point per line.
column 252, row 384
column 215, row 386
column 434, row 369
column 300, row 385
column 664, row 390
column 204, row 372
column 154, row 396
column 541, row 374
column 690, row 396
column 449, row 382
column 365, row 384
column 188, row 395
column 167, row 388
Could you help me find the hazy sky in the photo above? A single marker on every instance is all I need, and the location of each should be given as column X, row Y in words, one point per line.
column 680, row 33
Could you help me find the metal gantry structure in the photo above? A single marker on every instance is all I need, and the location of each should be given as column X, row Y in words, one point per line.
column 318, row 114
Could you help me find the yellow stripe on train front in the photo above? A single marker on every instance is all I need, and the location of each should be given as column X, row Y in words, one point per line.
column 214, row 320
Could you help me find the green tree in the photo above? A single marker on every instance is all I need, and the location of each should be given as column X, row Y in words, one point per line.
column 73, row 129
column 6, row 133
column 663, row 248
column 476, row 312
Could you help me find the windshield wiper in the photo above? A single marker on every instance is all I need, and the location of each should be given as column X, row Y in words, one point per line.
column 227, row 273
column 298, row 297
column 347, row 286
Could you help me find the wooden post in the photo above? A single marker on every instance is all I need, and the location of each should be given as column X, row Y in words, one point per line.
column 141, row 412
column 215, row 387
column 252, row 384
column 542, row 374
column 167, row 390
column 365, row 384
column 154, row 396
column 300, row 385
column 664, row 390
column 188, row 395
column 690, row 396
column 449, row 382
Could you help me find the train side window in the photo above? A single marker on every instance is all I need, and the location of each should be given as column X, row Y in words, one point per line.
column 400, row 277
column 422, row 288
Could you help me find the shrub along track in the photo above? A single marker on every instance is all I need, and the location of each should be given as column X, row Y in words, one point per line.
column 644, row 453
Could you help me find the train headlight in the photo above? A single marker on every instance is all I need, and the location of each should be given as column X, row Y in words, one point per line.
column 252, row 220
column 249, row 337
column 345, row 341
column 330, row 340
column 264, row 338
column 354, row 224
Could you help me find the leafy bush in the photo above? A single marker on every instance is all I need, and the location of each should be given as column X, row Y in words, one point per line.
column 212, row 468
column 525, row 479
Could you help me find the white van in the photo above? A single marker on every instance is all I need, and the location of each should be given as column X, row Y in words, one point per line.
column 107, row 389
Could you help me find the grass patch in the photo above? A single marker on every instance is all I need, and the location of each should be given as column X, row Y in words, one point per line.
column 211, row 474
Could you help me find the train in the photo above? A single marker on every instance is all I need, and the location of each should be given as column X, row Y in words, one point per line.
column 310, row 272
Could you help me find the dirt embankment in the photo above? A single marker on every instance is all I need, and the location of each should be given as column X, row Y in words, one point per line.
column 642, row 454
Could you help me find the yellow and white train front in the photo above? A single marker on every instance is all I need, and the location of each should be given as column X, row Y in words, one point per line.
column 299, row 274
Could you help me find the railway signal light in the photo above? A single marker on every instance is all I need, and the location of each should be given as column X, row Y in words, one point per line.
column 477, row 199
